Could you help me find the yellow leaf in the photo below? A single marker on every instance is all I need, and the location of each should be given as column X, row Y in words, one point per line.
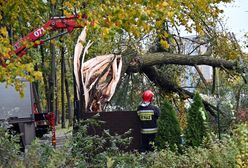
column 53, row 2
column 66, row 13
column 198, row 28
column 159, row 23
column 53, row 41
column 37, row 42
column 3, row 31
column 164, row 4
column 29, row 67
column 148, row 11
column 164, row 43
column 105, row 31
column 110, row 162
column 21, row 93
column 170, row 14
column 37, row 75
column 166, row 34
column 146, row 27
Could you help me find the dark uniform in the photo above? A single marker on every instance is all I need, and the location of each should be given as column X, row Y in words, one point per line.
column 148, row 115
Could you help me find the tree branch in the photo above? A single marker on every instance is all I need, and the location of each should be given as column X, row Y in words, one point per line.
column 168, row 85
column 159, row 58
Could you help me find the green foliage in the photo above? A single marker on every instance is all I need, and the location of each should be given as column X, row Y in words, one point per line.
column 231, row 151
column 240, row 136
column 211, row 154
column 9, row 148
column 112, row 24
column 169, row 129
column 43, row 155
column 95, row 148
column 197, row 122
column 127, row 96
column 18, row 18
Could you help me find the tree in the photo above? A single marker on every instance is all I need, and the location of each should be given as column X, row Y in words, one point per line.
column 118, row 26
column 17, row 19
column 197, row 122
column 169, row 130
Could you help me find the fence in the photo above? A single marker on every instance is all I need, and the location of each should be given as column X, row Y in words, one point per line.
column 118, row 122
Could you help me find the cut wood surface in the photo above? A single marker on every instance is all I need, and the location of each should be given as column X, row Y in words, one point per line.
column 76, row 61
column 99, row 76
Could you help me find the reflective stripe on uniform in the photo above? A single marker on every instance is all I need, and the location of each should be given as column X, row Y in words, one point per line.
column 149, row 130
column 145, row 115
column 145, row 111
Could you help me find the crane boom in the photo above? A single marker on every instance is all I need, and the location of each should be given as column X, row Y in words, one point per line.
column 55, row 23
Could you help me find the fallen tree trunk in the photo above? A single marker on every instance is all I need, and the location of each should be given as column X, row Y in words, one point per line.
column 94, row 77
column 168, row 85
column 145, row 63
column 160, row 58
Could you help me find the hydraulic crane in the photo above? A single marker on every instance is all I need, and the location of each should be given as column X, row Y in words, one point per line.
column 54, row 24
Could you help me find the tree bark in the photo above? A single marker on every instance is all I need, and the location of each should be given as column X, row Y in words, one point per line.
column 145, row 64
column 160, row 58
column 35, row 90
column 201, row 75
column 168, row 85
column 45, row 77
column 62, row 87
column 57, row 121
column 68, row 96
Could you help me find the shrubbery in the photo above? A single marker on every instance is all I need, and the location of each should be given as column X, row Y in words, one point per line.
column 169, row 129
column 90, row 151
column 197, row 127
column 9, row 148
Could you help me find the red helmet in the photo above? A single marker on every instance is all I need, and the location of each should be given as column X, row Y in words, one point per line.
column 147, row 96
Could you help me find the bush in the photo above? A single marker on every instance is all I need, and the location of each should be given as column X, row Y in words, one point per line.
column 9, row 149
column 95, row 149
column 197, row 122
column 213, row 154
column 169, row 129
column 240, row 136
column 43, row 155
column 231, row 151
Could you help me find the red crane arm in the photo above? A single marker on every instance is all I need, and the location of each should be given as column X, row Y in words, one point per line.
column 55, row 23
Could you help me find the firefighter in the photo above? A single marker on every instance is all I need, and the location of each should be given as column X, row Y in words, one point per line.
column 148, row 115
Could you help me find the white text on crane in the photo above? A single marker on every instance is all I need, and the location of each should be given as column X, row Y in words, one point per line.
column 39, row 32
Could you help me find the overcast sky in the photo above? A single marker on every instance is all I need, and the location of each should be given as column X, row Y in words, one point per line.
column 236, row 15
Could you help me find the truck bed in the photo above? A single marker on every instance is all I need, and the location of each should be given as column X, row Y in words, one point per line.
column 13, row 106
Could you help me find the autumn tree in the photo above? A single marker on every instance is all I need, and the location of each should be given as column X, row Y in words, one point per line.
column 146, row 33
column 17, row 19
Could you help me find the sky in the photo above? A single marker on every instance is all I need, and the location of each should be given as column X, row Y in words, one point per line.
column 236, row 20
column 236, row 17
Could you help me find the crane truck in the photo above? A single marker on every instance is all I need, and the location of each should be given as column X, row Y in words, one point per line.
column 23, row 113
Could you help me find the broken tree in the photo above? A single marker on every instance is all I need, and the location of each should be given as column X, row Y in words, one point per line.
column 97, row 78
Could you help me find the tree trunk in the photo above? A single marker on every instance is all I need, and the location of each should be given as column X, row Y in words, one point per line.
column 57, row 119
column 238, row 98
column 35, row 89
column 68, row 96
column 144, row 63
column 167, row 85
column 45, row 76
column 160, row 58
column 62, row 87
column 52, row 80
